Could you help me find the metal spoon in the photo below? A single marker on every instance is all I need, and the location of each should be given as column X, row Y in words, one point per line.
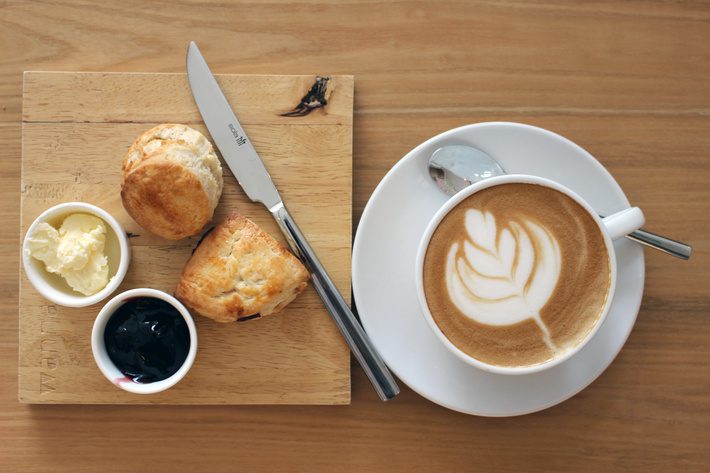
column 457, row 167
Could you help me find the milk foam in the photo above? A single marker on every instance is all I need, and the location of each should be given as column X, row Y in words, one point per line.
column 503, row 272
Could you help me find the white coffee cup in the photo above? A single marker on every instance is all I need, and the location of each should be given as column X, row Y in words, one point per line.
column 612, row 227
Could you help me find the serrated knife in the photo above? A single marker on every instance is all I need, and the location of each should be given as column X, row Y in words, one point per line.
column 244, row 162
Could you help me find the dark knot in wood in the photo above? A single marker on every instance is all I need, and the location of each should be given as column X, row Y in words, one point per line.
column 316, row 97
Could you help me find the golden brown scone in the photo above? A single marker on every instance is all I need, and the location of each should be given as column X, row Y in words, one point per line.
column 172, row 181
column 238, row 271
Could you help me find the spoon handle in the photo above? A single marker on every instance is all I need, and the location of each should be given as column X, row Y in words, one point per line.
column 661, row 243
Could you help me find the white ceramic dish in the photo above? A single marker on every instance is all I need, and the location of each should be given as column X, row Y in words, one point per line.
column 106, row 366
column 611, row 228
column 53, row 286
column 384, row 255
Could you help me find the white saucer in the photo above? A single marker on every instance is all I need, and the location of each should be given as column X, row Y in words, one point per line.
column 383, row 274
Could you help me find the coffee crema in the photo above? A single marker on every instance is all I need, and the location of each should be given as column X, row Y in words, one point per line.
column 516, row 274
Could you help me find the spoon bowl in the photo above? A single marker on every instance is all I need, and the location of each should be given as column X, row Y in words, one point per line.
column 456, row 167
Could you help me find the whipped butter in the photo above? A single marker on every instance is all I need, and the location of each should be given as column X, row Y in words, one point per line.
column 75, row 251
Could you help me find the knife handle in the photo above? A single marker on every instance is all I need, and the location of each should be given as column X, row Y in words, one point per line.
column 356, row 338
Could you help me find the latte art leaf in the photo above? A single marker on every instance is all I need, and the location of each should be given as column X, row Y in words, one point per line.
column 503, row 273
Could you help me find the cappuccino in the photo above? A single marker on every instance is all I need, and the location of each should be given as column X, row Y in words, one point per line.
column 517, row 274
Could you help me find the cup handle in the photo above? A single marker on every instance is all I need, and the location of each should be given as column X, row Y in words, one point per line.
column 622, row 223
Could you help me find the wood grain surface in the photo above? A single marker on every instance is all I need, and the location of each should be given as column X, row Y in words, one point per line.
column 76, row 129
column 629, row 81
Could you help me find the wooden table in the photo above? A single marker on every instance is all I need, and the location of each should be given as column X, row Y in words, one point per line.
column 628, row 81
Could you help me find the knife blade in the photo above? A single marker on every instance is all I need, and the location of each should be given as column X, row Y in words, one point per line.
column 246, row 165
column 227, row 133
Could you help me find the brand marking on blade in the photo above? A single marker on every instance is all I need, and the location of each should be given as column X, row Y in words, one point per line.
column 240, row 139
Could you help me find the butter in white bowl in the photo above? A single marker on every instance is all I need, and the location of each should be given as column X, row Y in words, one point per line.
column 75, row 251
column 75, row 254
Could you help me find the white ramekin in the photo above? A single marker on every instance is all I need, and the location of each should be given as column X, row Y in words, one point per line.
column 65, row 296
column 103, row 361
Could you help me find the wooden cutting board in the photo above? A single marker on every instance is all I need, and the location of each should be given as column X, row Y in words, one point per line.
column 76, row 129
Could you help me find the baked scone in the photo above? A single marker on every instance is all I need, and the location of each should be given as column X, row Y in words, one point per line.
column 172, row 181
column 239, row 272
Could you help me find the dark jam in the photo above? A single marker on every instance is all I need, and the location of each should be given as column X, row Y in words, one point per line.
column 147, row 339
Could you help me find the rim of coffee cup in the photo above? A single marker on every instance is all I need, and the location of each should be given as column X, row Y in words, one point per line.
column 453, row 202
column 109, row 369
